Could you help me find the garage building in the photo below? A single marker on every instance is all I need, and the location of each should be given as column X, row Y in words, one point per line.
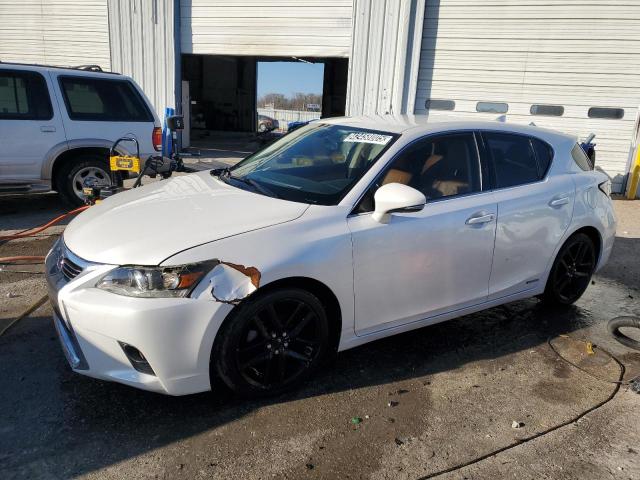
column 573, row 65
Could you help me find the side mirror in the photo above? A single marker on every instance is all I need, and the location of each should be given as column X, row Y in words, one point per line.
column 175, row 122
column 394, row 198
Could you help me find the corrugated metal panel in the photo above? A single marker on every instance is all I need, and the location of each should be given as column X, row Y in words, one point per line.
column 55, row 32
column 384, row 62
column 142, row 46
column 314, row 28
column 575, row 53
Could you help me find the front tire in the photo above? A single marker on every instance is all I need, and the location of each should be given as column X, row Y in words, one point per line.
column 271, row 343
column 571, row 272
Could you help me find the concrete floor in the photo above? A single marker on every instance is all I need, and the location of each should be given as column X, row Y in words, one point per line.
column 456, row 389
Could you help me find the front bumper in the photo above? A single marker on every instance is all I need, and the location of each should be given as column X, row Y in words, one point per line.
column 175, row 335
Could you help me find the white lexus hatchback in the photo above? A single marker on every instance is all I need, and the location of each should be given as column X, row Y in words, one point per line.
column 342, row 232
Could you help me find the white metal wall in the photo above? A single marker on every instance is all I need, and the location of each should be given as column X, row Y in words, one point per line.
column 315, row 28
column 142, row 46
column 574, row 53
column 385, row 56
column 56, row 32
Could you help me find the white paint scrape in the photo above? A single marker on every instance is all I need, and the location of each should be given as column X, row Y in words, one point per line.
column 230, row 285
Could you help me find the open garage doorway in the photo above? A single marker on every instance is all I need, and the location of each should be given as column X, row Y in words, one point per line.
column 289, row 94
column 220, row 93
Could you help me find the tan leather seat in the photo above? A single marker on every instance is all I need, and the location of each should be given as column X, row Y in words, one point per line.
column 431, row 161
column 395, row 175
column 440, row 179
column 450, row 187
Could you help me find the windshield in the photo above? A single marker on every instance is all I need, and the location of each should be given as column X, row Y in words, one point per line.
column 317, row 163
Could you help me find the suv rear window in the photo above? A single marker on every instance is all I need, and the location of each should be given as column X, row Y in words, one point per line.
column 24, row 96
column 103, row 100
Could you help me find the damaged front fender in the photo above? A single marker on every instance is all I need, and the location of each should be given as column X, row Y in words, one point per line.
column 231, row 283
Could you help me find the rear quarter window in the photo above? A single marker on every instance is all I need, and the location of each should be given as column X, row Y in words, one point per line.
column 581, row 159
column 544, row 155
column 104, row 100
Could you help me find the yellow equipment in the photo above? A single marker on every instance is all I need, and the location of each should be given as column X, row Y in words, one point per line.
column 129, row 163
column 634, row 178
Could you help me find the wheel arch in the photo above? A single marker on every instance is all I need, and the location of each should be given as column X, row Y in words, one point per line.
column 324, row 294
column 68, row 156
column 594, row 234
column 311, row 285
column 66, row 151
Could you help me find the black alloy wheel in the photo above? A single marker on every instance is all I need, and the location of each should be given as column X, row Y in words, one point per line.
column 571, row 271
column 272, row 343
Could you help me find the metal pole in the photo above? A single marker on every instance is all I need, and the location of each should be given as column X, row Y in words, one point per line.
column 177, row 75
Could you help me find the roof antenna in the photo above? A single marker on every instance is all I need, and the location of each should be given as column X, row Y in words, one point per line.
column 302, row 60
column 533, row 124
column 501, row 118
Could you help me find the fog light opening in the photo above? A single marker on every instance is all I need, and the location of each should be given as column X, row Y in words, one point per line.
column 137, row 359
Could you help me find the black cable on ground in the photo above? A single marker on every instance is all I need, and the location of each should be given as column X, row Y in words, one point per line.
column 549, row 430
column 621, row 382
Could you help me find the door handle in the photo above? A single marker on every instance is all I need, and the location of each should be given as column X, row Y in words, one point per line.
column 47, row 128
column 558, row 202
column 479, row 219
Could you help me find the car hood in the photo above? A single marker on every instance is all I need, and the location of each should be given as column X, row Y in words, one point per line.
column 146, row 225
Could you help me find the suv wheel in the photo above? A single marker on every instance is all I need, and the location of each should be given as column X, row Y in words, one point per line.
column 70, row 179
column 271, row 343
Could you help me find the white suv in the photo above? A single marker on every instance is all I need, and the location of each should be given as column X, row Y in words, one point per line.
column 57, row 125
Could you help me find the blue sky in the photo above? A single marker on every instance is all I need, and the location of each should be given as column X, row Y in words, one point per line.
column 289, row 77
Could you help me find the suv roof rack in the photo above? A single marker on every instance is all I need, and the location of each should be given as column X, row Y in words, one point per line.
column 85, row 68
column 89, row 68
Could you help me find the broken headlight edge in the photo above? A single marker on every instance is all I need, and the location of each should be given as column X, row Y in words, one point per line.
column 155, row 282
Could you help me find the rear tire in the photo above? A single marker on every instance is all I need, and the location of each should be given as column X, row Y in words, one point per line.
column 271, row 343
column 70, row 178
column 571, row 271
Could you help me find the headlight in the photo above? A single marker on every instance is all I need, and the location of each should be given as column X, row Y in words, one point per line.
column 154, row 282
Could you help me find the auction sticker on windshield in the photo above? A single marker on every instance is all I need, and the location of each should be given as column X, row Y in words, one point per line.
column 366, row 137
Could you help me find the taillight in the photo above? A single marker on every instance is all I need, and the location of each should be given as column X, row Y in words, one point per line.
column 605, row 187
column 156, row 138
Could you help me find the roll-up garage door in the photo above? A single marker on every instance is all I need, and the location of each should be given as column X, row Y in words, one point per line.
column 285, row 28
column 55, row 32
column 571, row 65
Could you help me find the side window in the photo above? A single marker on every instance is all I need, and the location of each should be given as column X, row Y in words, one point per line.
column 514, row 160
column 544, row 154
column 581, row 158
column 24, row 96
column 439, row 167
column 100, row 99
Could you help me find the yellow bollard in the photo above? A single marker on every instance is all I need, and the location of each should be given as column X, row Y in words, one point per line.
column 634, row 178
